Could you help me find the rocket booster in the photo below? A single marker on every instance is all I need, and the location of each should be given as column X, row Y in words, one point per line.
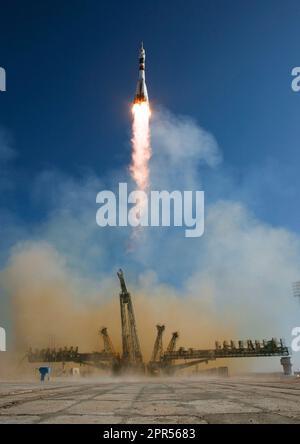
column 141, row 94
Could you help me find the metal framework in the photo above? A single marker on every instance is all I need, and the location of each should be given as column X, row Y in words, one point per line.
column 173, row 341
column 132, row 354
column 160, row 361
column 158, row 345
column 108, row 345
column 251, row 349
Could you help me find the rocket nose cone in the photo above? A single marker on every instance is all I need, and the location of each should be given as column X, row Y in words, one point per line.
column 142, row 50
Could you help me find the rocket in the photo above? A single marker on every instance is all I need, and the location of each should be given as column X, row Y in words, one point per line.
column 141, row 94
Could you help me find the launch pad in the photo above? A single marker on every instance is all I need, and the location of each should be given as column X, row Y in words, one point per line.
column 162, row 362
column 193, row 400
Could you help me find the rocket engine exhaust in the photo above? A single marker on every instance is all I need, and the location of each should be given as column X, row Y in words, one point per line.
column 141, row 149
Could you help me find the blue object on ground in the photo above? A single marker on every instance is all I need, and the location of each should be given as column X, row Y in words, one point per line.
column 43, row 372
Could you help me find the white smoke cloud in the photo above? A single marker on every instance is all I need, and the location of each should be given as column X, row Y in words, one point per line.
column 180, row 146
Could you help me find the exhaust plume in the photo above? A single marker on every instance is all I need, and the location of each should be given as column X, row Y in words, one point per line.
column 141, row 150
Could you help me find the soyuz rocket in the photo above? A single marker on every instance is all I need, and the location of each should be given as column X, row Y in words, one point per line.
column 141, row 94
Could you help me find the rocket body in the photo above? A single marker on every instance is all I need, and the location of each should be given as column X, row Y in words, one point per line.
column 141, row 94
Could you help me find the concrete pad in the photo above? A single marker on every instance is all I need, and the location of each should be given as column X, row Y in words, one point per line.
column 155, row 401
column 115, row 397
column 98, row 407
column 275, row 404
column 18, row 419
column 37, row 407
column 82, row 419
column 249, row 418
column 71, row 397
column 200, row 396
column 158, row 408
column 220, row 406
column 158, row 397
column 165, row 420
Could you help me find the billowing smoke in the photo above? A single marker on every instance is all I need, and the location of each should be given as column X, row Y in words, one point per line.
column 53, row 305
column 232, row 282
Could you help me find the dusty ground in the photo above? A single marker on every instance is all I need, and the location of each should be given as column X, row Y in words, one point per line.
column 178, row 400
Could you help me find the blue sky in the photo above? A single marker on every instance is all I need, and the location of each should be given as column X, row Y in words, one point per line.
column 65, row 132
column 71, row 72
